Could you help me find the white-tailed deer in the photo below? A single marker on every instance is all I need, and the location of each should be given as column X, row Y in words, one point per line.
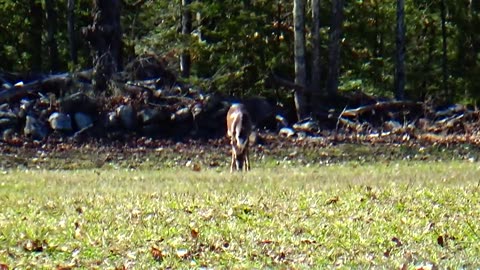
column 239, row 127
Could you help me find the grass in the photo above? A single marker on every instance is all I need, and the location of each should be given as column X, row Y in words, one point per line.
column 350, row 215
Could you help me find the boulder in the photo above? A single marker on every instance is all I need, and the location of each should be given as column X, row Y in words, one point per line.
column 7, row 120
column 78, row 102
column 60, row 121
column 8, row 134
column 182, row 115
column 127, row 116
column 82, row 120
column 111, row 120
column 34, row 128
column 154, row 115
column 286, row 132
column 307, row 125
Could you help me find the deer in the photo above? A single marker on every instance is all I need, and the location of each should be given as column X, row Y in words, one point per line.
column 239, row 127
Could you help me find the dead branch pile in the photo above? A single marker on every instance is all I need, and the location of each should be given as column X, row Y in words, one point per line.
column 147, row 100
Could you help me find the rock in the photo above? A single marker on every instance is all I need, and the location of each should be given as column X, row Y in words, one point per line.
column 307, row 125
column 451, row 110
column 150, row 116
column 7, row 123
column 6, row 85
column 26, row 105
column 196, row 109
column 34, row 128
column 8, row 120
column 182, row 115
column 111, row 120
column 78, row 102
column 127, row 116
column 82, row 120
column 19, row 84
column 286, row 132
column 60, row 121
column 152, row 130
column 281, row 121
column 7, row 114
column 147, row 116
column 8, row 134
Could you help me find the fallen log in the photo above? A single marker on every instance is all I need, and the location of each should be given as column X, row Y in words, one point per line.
column 53, row 84
column 382, row 106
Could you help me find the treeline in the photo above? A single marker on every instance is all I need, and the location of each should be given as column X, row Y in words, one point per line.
column 237, row 47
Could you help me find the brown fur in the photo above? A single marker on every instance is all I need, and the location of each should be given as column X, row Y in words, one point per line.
column 239, row 128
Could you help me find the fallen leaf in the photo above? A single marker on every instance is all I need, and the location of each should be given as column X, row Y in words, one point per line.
column 194, row 233
column 332, row 200
column 214, row 163
column 78, row 230
column 308, row 241
column 441, row 240
column 34, row 245
column 387, row 253
column 266, row 241
column 196, row 167
column 79, row 210
column 397, row 241
column 157, row 254
column 60, row 267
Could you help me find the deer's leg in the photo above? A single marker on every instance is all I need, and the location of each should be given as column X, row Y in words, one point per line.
column 247, row 160
column 233, row 161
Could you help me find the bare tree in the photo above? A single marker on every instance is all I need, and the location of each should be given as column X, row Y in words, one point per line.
column 444, row 48
column 299, row 50
column 105, row 38
column 400, row 51
column 474, row 6
column 52, row 18
column 315, row 83
column 185, row 59
column 334, row 46
column 71, row 31
column 35, row 35
column 474, row 15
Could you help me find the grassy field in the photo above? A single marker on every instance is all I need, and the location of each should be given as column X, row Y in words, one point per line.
column 391, row 215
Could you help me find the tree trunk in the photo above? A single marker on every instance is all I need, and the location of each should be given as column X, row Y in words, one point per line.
column 299, row 51
column 104, row 36
column 185, row 59
column 474, row 10
column 35, row 35
column 52, row 18
column 426, row 80
column 400, row 51
column 71, row 31
column 334, row 46
column 315, row 84
column 379, row 45
column 475, row 5
column 444, row 50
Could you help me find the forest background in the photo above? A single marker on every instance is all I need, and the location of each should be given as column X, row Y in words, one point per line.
column 235, row 47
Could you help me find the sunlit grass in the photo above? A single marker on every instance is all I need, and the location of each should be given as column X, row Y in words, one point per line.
column 371, row 215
